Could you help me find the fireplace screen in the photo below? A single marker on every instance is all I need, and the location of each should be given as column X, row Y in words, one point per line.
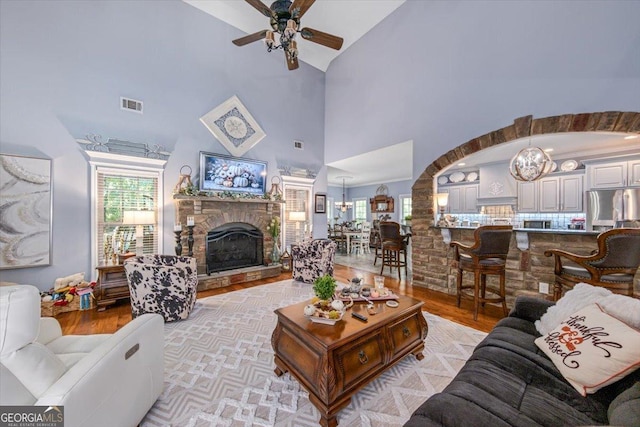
column 234, row 245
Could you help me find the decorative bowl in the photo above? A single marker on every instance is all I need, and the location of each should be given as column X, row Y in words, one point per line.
column 325, row 320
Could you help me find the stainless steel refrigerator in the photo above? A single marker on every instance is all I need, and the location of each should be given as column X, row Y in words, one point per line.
column 613, row 209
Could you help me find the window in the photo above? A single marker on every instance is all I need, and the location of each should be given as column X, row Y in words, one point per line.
column 405, row 206
column 360, row 210
column 119, row 191
column 121, row 184
column 330, row 211
column 297, row 210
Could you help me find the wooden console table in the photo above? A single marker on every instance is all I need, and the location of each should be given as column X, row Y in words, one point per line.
column 111, row 285
column 333, row 362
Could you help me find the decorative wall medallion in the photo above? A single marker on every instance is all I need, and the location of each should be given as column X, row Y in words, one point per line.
column 496, row 188
column 233, row 126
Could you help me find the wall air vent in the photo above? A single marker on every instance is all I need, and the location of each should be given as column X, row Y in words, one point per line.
column 298, row 145
column 131, row 105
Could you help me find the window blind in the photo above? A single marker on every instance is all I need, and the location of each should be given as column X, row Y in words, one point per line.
column 296, row 202
column 119, row 191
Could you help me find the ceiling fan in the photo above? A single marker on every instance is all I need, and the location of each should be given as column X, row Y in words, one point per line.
column 285, row 21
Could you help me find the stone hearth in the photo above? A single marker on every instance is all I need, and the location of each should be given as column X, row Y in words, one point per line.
column 213, row 212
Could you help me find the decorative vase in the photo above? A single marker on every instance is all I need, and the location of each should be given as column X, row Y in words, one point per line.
column 275, row 253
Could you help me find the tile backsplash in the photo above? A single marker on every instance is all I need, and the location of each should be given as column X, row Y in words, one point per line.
column 558, row 220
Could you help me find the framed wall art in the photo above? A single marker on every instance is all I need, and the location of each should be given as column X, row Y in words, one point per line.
column 233, row 126
column 225, row 173
column 320, row 203
column 25, row 207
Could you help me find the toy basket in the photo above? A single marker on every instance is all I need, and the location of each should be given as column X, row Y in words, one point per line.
column 48, row 309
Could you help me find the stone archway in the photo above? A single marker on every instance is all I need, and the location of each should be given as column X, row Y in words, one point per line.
column 430, row 267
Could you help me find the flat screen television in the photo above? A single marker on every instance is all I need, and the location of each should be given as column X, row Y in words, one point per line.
column 220, row 173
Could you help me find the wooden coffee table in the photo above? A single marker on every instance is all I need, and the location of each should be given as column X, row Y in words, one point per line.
column 333, row 362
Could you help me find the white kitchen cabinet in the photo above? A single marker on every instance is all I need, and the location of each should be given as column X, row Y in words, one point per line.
column 528, row 196
column 462, row 199
column 560, row 193
column 614, row 174
column 634, row 173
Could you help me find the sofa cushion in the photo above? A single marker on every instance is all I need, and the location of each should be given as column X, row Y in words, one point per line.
column 592, row 349
column 624, row 410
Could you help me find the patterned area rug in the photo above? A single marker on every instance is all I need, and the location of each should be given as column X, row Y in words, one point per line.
column 219, row 368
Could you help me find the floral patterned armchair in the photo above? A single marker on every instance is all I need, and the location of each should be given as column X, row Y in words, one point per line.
column 162, row 284
column 313, row 259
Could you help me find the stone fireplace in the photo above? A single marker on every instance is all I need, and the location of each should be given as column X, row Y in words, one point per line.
column 234, row 245
column 216, row 214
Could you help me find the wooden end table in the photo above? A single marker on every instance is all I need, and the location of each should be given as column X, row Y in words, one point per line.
column 111, row 286
column 333, row 362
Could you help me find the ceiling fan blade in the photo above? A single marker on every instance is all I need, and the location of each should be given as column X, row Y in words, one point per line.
column 302, row 6
column 250, row 38
column 261, row 7
column 325, row 39
column 292, row 64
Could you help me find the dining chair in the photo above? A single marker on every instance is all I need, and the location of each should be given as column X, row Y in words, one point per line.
column 486, row 256
column 612, row 265
column 361, row 243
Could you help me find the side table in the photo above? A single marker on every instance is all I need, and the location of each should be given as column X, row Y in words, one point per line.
column 111, row 285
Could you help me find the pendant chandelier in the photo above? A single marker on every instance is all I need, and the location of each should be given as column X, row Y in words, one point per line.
column 344, row 206
column 530, row 164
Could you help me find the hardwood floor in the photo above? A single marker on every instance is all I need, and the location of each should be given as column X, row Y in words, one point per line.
column 440, row 304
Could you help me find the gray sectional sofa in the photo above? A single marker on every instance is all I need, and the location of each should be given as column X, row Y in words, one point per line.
column 508, row 381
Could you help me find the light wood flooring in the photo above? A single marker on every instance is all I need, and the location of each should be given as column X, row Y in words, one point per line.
column 438, row 303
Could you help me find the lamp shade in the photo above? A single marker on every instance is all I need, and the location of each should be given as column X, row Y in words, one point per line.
column 297, row 216
column 443, row 199
column 138, row 217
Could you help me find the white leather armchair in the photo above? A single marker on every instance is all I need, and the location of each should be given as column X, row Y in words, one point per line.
column 101, row 380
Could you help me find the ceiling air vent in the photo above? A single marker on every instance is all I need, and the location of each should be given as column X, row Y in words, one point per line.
column 131, row 105
column 298, row 145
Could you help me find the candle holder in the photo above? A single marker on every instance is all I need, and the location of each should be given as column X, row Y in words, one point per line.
column 178, row 234
column 190, row 239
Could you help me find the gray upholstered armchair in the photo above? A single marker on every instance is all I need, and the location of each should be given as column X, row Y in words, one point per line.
column 313, row 259
column 162, row 284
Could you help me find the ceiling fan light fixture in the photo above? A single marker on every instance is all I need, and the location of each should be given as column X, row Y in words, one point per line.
column 292, row 28
column 269, row 40
column 293, row 49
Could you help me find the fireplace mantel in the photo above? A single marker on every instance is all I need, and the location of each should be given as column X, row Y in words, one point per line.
column 225, row 199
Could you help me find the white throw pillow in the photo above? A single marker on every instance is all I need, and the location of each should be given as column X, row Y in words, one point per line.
column 580, row 296
column 624, row 308
column 592, row 349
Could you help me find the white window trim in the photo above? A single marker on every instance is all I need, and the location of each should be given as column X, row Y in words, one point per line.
column 296, row 183
column 400, row 199
column 366, row 211
column 139, row 166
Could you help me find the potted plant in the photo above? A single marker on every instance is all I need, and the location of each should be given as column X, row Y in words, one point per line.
column 407, row 219
column 325, row 287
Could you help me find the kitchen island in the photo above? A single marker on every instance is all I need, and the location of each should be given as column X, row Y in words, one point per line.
column 526, row 264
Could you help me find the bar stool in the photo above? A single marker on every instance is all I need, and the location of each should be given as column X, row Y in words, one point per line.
column 393, row 247
column 613, row 265
column 488, row 255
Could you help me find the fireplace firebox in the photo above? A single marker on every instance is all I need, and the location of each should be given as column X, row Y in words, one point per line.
column 234, row 245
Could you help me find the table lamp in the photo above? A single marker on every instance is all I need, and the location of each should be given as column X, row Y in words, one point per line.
column 298, row 217
column 443, row 200
column 139, row 219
